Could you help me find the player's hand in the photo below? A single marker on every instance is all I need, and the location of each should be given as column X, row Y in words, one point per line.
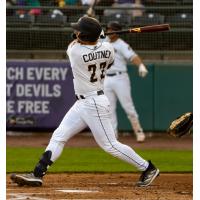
column 142, row 70
column 90, row 12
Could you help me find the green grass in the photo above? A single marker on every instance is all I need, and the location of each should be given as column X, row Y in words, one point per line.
column 96, row 160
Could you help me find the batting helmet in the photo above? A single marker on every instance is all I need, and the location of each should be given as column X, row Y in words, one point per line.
column 90, row 29
column 114, row 25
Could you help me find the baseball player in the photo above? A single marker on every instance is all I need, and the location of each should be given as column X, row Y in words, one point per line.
column 117, row 83
column 89, row 60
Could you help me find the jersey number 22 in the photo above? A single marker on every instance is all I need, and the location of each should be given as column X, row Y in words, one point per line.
column 92, row 69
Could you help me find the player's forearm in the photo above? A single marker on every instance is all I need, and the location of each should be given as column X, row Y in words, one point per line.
column 137, row 61
column 142, row 70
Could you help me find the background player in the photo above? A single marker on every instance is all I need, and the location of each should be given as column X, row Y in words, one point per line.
column 89, row 61
column 117, row 83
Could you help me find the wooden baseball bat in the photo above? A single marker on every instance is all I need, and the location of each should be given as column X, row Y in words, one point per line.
column 144, row 29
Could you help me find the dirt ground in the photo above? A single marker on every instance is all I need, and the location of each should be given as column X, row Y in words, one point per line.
column 102, row 186
column 153, row 141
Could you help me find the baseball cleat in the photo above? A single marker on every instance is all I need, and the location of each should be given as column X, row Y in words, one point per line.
column 148, row 176
column 26, row 179
column 140, row 137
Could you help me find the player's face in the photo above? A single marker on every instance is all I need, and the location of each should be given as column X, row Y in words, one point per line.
column 113, row 36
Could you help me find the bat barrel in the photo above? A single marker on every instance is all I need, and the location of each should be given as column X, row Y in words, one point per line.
column 153, row 28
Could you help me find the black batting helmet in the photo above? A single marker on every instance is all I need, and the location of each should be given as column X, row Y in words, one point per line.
column 90, row 29
column 114, row 25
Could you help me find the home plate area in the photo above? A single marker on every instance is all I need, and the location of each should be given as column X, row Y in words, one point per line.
column 104, row 186
column 35, row 196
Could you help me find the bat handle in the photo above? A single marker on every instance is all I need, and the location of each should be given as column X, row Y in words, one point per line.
column 135, row 30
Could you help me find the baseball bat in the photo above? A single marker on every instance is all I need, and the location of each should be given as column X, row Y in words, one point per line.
column 144, row 29
column 91, row 12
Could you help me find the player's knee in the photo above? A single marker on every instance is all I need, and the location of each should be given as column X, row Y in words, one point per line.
column 132, row 115
column 43, row 164
column 107, row 148
column 61, row 134
column 110, row 147
column 130, row 110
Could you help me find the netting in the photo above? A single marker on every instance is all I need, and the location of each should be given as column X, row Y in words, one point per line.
column 45, row 24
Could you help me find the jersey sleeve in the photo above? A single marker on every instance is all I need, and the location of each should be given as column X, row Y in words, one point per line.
column 112, row 56
column 127, row 51
column 70, row 47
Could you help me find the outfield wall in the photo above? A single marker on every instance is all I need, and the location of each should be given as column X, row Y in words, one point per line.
column 38, row 97
column 164, row 94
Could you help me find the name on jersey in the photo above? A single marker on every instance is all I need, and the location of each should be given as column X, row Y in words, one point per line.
column 96, row 55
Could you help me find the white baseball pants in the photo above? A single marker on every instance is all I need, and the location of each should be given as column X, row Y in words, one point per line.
column 118, row 87
column 93, row 112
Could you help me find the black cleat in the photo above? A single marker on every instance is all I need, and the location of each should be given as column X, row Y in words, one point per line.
column 26, row 179
column 148, row 176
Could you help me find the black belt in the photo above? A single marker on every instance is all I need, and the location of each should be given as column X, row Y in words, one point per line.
column 100, row 92
column 114, row 74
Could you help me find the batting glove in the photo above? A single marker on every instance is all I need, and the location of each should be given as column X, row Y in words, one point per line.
column 142, row 70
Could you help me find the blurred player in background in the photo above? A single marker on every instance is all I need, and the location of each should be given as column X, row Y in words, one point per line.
column 89, row 60
column 117, row 84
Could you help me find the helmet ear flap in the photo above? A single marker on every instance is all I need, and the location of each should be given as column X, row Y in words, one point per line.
column 82, row 36
column 87, row 37
column 79, row 35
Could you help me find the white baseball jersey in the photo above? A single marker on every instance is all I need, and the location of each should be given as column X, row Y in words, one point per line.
column 89, row 64
column 123, row 54
column 119, row 86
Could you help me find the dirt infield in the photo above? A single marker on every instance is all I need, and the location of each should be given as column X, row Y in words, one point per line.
column 104, row 186
column 153, row 141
